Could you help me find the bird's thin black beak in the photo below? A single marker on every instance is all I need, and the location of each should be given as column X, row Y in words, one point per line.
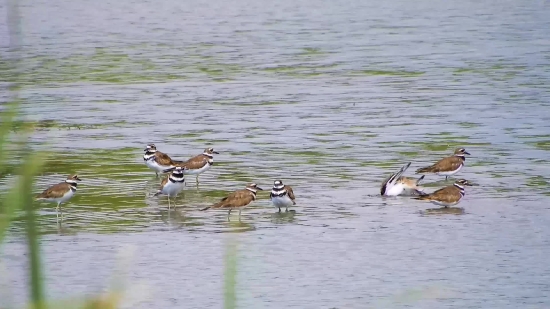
column 78, row 179
column 145, row 149
column 215, row 152
column 259, row 188
column 465, row 152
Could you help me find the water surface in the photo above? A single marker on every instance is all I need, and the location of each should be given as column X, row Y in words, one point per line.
column 328, row 96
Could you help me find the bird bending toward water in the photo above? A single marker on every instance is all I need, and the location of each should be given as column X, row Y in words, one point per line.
column 397, row 184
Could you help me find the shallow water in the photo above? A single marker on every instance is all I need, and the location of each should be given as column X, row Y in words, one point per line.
column 330, row 97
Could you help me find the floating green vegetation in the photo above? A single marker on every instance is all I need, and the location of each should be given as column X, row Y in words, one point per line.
column 503, row 154
column 210, row 71
column 267, row 103
column 432, row 146
column 101, row 66
column 307, row 153
column 393, row 163
column 446, row 146
column 343, row 176
column 409, row 153
column 533, row 136
column 93, row 161
column 544, row 145
column 464, row 70
column 537, row 181
column 497, row 72
column 312, row 161
column 281, row 68
column 47, row 124
column 466, row 124
column 220, row 72
column 388, row 73
column 302, row 70
column 240, row 176
column 185, row 135
column 443, row 133
column 310, row 51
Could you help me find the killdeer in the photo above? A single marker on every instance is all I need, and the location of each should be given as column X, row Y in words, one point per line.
column 238, row 199
column 61, row 192
column 282, row 195
column 158, row 161
column 448, row 196
column 173, row 184
column 397, row 184
column 447, row 166
column 199, row 163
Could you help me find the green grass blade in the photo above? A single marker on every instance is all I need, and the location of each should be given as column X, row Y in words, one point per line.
column 229, row 297
column 32, row 166
column 20, row 197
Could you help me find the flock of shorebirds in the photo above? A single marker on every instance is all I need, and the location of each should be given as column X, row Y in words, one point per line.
column 282, row 196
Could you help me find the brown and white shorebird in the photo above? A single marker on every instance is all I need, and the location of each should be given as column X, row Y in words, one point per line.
column 158, row 161
column 61, row 192
column 448, row 196
column 397, row 184
column 173, row 184
column 447, row 166
column 238, row 199
column 199, row 163
column 282, row 195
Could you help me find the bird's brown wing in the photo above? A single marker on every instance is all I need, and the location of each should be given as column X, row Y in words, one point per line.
column 55, row 191
column 163, row 182
column 444, row 165
column 163, row 159
column 290, row 194
column 236, row 199
column 195, row 162
column 448, row 194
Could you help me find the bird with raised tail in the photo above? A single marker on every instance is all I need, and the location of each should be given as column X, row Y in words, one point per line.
column 238, row 199
column 397, row 184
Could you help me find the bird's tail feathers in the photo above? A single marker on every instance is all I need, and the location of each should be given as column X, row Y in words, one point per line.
column 168, row 170
column 428, row 169
column 423, row 196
